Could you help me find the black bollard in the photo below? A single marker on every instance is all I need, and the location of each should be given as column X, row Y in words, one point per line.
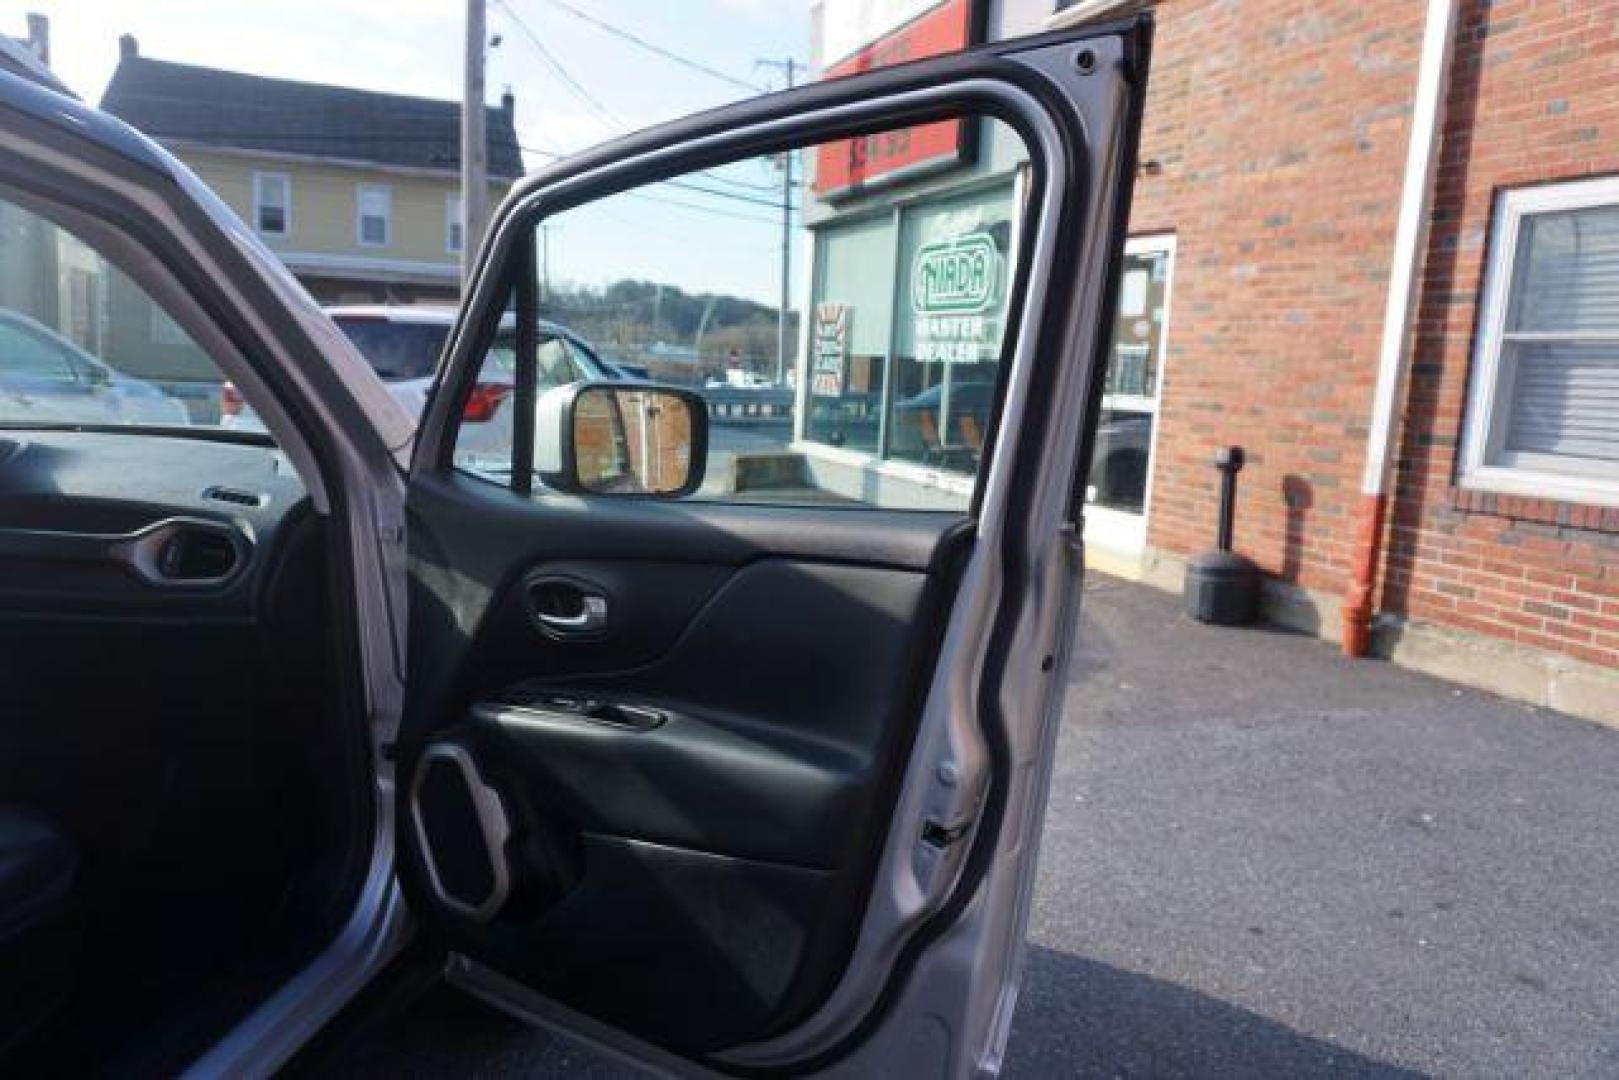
column 1222, row 587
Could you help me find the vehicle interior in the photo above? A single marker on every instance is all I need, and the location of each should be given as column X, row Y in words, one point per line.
column 182, row 811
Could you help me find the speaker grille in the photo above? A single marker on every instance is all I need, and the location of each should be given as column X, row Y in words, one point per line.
column 462, row 830
column 455, row 835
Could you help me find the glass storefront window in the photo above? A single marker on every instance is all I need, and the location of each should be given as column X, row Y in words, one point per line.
column 1120, row 466
column 909, row 313
column 954, row 260
column 850, row 333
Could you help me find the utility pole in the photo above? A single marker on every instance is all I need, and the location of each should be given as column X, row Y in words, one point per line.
column 474, row 143
column 789, row 67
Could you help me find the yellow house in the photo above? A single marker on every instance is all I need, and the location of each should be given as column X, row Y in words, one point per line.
column 358, row 192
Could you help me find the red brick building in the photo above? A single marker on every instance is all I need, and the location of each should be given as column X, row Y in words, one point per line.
column 1373, row 242
column 1275, row 152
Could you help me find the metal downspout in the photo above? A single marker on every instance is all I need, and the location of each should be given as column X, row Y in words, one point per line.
column 1410, row 241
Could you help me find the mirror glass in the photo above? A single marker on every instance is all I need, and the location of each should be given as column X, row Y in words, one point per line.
column 633, row 440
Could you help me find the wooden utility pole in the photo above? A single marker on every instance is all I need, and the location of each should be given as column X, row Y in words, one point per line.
column 789, row 68
column 474, row 142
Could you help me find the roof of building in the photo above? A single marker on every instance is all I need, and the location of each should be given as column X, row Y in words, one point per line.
column 169, row 101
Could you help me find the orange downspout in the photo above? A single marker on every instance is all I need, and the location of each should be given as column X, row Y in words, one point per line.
column 1410, row 240
column 1357, row 616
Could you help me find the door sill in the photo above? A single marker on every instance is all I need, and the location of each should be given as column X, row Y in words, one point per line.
column 516, row 1000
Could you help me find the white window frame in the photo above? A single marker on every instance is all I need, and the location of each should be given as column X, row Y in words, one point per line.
column 1534, row 476
column 452, row 221
column 259, row 201
column 387, row 193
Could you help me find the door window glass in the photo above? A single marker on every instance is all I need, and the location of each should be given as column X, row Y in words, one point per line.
column 82, row 343
column 841, row 310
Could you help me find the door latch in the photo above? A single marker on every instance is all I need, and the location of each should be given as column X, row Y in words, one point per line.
column 937, row 834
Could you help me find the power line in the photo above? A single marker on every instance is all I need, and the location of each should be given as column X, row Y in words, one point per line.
column 687, row 238
column 594, row 103
column 448, row 159
column 685, row 185
column 659, row 50
column 745, row 185
column 634, row 194
column 561, row 71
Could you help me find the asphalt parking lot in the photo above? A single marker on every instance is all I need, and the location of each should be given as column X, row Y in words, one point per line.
column 1264, row 860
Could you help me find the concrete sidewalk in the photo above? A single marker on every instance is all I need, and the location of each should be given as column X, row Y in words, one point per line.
column 1264, row 860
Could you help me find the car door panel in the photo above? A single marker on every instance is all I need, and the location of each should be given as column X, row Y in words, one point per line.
column 719, row 849
column 768, row 735
column 844, row 742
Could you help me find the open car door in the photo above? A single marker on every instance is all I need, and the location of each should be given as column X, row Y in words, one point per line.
column 726, row 750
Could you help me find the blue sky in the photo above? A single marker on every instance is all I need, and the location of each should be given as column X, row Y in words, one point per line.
column 415, row 47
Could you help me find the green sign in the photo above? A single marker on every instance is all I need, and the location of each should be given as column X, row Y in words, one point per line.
column 955, row 276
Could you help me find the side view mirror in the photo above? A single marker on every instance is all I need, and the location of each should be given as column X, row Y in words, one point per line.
column 604, row 438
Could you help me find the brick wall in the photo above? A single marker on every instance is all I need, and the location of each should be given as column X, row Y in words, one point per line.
column 1534, row 98
column 1279, row 132
column 1280, row 127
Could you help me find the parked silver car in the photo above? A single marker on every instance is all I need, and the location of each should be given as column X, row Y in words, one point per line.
column 403, row 344
column 46, row 378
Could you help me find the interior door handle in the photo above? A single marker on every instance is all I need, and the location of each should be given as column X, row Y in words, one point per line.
column 591, row 618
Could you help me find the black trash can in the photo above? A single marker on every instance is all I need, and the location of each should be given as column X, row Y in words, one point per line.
column 1222, row 588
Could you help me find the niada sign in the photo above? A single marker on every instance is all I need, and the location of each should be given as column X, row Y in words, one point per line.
column 956, row 275
column 956, row 300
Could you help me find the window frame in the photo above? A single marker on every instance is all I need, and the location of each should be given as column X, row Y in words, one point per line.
column 1488, row 395
column 260, row 177
column 387, row 193
column 452, row 222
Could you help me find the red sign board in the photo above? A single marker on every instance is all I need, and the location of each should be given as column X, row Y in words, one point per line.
column 854, row 163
